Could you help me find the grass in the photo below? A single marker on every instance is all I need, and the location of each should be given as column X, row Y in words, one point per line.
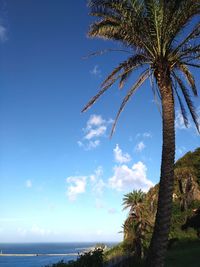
column 114, row 252
column 185, row 254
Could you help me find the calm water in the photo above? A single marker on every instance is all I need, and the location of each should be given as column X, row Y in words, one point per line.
column 41, row 248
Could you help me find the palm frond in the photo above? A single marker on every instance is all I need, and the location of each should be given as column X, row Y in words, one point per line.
column 131, row 63
column 188, row 101
column 133, row 198
column 155, row 19
column 189, row 77
column 138, row 83
column 130, row 27
column 191, row 36
column 180, row 17
column 125, row 77
column 183, row 111
column 192, row 65
column 104, row 51
column 190, row 52
column 94, row 98
column 155, row 93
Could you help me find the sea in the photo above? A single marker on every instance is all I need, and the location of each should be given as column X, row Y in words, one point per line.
column 41, row 248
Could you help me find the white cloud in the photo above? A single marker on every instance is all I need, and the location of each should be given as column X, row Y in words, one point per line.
column 93, row 144
column 96, row 71
column 179, row 121
column 36, row 230
column 96, row 126
column 144, row 135
column 77, row 185
column 98, row 187
column 133, row 178
column 112, row 211
column 99, row 131
column 181, row 150
column 3, row 33
column 97, row 173
column 147, row 135
column 95, row 129
column 95, row 120
column 97, row 182
column 140, row 146
column 119, row 156
column 80, row 143
column 90, row 145
column 28, row 183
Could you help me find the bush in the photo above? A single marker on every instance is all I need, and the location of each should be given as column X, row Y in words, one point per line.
column 89, row 259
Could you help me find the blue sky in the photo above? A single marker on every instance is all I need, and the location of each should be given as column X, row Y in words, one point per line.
column 62, row 178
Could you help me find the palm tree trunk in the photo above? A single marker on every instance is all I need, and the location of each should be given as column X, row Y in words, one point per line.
column 158, row 245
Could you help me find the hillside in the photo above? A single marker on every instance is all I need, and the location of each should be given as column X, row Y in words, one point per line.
column 186, row 198
column 191, row 160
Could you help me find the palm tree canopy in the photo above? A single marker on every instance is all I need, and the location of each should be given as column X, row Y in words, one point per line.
column 153, row 33
column 133, row 198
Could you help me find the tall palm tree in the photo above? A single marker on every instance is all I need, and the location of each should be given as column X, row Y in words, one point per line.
column 152, row 31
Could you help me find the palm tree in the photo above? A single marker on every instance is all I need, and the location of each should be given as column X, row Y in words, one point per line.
column 152, row 32
column 138, row 223
column 132, row 199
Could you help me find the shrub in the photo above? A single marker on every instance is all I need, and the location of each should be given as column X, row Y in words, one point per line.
column 92, row 258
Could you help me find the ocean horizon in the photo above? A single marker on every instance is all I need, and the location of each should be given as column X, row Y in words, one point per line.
column 44, row 248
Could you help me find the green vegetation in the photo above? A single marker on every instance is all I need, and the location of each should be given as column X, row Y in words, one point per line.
column 92, row 258
column 184, row 254
column 114, row 252
column 139, row 223
column 191, row 160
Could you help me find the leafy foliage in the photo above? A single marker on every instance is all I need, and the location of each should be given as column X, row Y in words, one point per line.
column 184, row 254
column 138, row 224
column 90, row 259
column 132, row 199
column 191, row 160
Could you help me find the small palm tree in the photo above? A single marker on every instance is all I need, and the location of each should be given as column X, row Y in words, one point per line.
column 138, row 223
column 132, row 199
column 152, row 31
